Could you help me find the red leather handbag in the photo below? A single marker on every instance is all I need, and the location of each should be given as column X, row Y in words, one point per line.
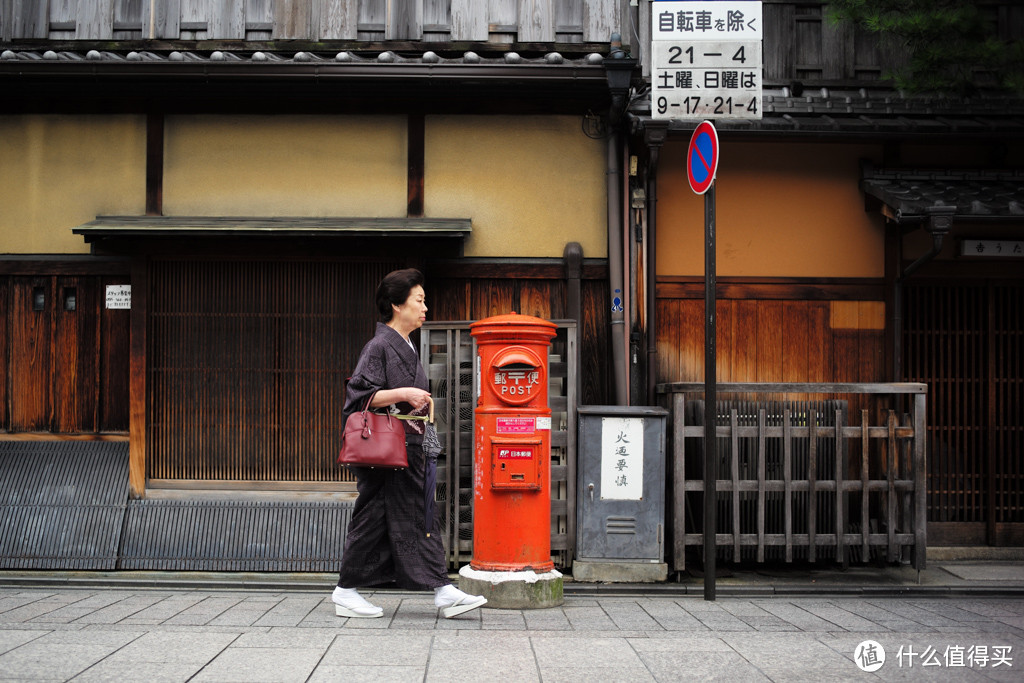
column 373, row 440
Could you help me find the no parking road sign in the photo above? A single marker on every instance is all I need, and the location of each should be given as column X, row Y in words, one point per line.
column 702, row 157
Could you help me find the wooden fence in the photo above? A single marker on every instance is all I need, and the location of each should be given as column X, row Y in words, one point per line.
column 858, row 494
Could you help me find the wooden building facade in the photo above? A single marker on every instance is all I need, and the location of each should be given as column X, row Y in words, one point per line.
column 250, row 170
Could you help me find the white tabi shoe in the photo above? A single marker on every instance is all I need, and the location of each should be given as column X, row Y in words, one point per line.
column 349, row 603
column 453, row 602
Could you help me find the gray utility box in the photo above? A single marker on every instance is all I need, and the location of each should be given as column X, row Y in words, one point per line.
column 620, row 504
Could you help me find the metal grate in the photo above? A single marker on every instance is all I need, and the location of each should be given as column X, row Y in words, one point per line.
column 62, row 503
column 192, row 535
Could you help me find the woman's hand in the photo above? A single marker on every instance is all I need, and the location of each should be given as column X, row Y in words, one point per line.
column 415, row 397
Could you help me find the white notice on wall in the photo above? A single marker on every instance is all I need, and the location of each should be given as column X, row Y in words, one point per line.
column 119, row 296
column 622, row 458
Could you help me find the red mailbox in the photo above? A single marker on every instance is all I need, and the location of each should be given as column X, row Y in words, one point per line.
column 512, row 463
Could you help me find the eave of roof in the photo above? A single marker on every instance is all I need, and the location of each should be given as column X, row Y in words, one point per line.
column 850, row 114
column 273, row 82
column 285, row 226
column 907, row 194
column 183, row 80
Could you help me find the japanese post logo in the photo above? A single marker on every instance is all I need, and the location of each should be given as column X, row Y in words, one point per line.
column 517, row 375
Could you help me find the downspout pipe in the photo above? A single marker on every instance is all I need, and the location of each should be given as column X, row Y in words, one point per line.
column 615, row 270
column 938, row 223
column 619, row 72
column 655, row 134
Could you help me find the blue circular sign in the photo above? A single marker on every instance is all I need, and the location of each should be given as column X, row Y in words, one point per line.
column 702, row 157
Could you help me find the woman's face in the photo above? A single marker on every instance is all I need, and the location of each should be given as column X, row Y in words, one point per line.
column 412, row 313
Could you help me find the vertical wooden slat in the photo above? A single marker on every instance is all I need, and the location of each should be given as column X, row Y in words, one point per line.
column 812, row 484
column 787, row 471
column 469, row 20
column 227, row 19
column 30, row 19
column 404, row 20
column 338, row 19
column 161, row 19
column 762, row 474
column 994, row 454
column 600, row 20
column 891, row 456
column 678, row 455
column 536, row 21
column 139, row 350
column 95, row 20
column 734, row 474
column 841, row 499
column 293, row 20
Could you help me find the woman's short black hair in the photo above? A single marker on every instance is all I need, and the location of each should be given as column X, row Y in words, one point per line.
column 394, row 289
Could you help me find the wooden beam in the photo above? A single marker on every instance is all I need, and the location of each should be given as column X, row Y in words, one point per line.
column 137, row 380
column 416, row 156
column 154, row 165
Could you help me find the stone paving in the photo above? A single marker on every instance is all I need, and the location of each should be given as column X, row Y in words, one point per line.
column 112, row 633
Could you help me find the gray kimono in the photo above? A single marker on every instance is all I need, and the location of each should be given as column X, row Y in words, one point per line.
column 393, row 535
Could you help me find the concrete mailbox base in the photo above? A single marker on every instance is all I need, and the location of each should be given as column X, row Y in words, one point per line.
column 514, row 590
column 619, row 572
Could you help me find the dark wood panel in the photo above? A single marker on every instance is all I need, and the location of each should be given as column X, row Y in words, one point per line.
column 491, row 297
column 765, row 340
column 5, row 351
column 114, row 360
column 796, row 289
column 30, row 359
column 75, row 355
column 595, row 347
column 63, row 265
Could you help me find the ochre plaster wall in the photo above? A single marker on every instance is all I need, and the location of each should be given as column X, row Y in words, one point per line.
column 351, row 166
column 57, row 172
column 530, row 184
column 782, row 210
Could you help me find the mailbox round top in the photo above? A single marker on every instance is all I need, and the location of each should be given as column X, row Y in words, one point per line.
column 513, row 326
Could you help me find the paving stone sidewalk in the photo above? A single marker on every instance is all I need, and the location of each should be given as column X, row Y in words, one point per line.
column 164, row 634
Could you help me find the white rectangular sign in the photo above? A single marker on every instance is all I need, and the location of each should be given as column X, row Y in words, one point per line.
column 706, row 20
column 119, row 296
column 622, row 458
column 706, row 60
column 993, row 248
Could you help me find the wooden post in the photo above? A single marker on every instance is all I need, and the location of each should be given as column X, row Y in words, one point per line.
column 137, row 379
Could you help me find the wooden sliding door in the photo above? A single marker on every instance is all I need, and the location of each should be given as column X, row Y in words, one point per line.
column 247, row 366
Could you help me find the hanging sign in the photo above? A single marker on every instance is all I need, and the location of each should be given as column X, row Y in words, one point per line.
column 706, row 59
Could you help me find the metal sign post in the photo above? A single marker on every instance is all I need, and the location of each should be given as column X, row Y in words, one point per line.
column 706, row 63
column 701, row 166
column 710, row 398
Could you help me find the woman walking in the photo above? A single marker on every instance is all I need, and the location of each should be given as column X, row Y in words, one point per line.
column 393, row 534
